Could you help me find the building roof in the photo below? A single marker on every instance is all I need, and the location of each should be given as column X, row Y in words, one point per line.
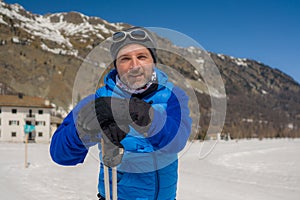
column 24, row 101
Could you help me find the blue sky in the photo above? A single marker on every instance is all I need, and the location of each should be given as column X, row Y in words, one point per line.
column 265, row 30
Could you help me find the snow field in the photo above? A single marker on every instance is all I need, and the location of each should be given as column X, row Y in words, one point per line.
column 234, row 170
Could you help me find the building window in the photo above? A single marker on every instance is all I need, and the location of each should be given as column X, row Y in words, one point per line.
column 30, row 113
column 40, row 134
column 41, row 112
column 40, row 123
column 13, row 134
column 0, row 110
column 14, row 111
column 13, row 122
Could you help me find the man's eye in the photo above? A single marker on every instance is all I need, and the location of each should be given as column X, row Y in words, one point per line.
column 124, row 59
column 142, row 57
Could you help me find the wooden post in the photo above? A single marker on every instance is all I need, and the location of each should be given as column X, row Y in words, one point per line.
column 26, row 150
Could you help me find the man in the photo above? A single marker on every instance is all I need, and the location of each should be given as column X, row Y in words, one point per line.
column 137, row 110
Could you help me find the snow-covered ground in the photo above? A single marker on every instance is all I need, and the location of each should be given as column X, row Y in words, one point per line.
column 246, row 170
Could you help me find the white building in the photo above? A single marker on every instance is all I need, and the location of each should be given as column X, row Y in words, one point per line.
column 17, row 111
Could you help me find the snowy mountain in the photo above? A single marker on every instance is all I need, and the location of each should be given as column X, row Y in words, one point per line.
column 41, row 54
column 46, row 50
column 64, row 29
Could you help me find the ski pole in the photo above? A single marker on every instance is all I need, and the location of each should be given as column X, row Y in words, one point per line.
column 114, row 184
column 106, row 175
column 107, row 184
column 106, row 179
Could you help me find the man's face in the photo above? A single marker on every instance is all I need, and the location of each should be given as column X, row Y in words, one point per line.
column 134, row 65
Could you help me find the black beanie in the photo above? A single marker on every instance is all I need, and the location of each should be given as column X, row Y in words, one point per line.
column 148, row 42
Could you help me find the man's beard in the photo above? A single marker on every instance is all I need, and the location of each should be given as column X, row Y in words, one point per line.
column 136, row 84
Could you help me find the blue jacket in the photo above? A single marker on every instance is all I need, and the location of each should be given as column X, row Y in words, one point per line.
column 149, row 166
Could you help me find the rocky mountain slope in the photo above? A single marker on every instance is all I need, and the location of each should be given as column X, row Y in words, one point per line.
column 41, row 55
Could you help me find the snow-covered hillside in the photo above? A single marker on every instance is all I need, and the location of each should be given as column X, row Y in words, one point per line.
column 60, row 30
column 243, row 170
column 55, row 27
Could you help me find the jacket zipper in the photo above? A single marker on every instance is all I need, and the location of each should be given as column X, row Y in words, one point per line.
column 156, row 178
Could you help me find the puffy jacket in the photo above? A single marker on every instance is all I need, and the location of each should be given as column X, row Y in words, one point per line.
column 149, row 166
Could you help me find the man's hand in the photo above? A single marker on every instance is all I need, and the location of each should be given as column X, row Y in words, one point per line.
column 141, row 113
column 112, row 149
column 114, row 133
column 113, row 109
column 103, row 114
column 87, row 125
column 113, row 116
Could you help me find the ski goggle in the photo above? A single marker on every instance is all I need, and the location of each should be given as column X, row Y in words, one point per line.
column 137, row 34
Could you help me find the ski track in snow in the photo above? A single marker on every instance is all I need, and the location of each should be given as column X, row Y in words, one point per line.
column 245, row 170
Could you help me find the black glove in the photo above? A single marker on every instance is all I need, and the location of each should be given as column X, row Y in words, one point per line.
column 87, row 125
column 113, row 117
column 141, row 113
column 123, row 111
column 97, row 114
column 114, row 133
column 111, row 108
column 112, row 149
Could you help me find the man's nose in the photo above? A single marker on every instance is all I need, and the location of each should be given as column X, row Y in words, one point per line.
column 135, row 62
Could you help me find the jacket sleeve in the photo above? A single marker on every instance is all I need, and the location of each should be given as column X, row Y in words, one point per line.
column 66, row 148
column 171, row 126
